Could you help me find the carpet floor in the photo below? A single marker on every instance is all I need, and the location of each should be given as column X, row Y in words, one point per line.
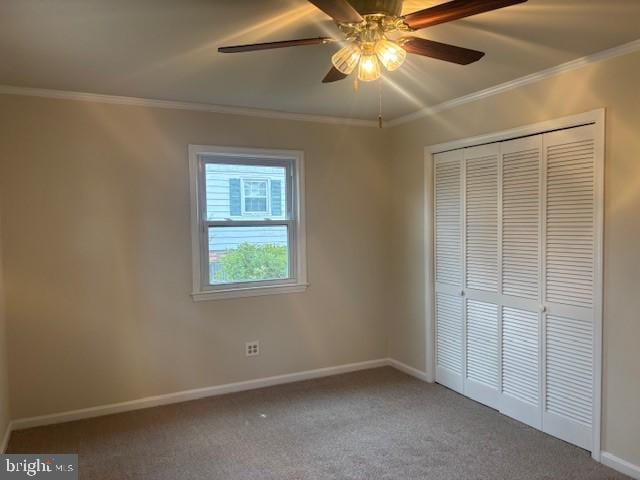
column 368, row 425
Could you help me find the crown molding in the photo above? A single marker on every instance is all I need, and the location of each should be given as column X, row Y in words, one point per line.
column 618, row 51
column 201, row 107
column 519, row 82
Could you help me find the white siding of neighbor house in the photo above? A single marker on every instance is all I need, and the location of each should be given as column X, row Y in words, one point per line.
column 218, row 201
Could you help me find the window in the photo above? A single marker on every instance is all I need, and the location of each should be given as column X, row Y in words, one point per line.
column 248, row 233
column 255, row 197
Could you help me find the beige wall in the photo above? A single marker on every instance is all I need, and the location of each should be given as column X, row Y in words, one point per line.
column 613, row 84
column 97, row 255
column 97, row 247
column 4, row 370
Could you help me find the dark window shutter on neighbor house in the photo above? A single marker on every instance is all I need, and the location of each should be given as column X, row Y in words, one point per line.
column 276, row 197
column 235, row 208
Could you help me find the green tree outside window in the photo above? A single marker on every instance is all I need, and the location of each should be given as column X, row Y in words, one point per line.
column 253, row 262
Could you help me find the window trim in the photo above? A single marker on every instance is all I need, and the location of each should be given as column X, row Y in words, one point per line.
column 294, row 160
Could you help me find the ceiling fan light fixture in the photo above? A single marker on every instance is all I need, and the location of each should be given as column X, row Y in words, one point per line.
column 347, row 58
column 366, row 24
column 390, row 54
column 369, row 68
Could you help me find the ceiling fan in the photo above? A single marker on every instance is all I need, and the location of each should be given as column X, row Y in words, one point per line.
column 367, row 25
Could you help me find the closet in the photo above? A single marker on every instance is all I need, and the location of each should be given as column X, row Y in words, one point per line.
column 515, row 266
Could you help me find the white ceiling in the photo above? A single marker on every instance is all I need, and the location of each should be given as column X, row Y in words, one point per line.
column 166, row 49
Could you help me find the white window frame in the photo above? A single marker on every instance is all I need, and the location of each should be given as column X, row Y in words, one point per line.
column 295, row 220
column 267, row 197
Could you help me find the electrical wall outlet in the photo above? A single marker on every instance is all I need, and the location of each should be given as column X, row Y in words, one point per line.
column 252, row 348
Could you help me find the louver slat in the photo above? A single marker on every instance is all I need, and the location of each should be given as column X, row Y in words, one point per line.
column 520, row 362
column 448, row 264
column 482, row 343
column 449, row 332
column 520, row 223
column 481, row 204
column 570, row 223
column 569, row 382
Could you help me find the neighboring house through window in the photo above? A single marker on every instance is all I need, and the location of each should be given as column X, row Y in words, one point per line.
column 247, row 222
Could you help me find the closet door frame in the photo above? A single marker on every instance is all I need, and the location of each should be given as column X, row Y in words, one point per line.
column 594, row 117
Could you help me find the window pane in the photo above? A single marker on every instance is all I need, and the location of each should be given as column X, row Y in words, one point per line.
column 254, row 188
column 244, row 254
column 255, row 205
column 245, row 192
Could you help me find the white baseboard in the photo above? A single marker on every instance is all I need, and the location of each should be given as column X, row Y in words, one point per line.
column 414, row 372
column 184, row 396
column 620, row 465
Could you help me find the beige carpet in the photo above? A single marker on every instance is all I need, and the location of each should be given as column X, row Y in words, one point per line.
column 375, row 424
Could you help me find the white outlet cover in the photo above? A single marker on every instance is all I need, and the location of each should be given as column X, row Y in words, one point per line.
column 252, row 348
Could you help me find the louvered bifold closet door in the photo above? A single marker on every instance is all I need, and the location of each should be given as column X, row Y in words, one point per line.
column 448, row 198
column 481, row 239
column 569, row 265
column 518, row 272
column 521, row 272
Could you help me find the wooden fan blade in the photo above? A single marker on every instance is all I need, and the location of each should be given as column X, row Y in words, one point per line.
column 334, row 75
column 454, row 10
column 268, row 46
column 340, row 10
column 441, row 51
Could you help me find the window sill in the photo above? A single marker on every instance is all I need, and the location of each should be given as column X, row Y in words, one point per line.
column 248, row 292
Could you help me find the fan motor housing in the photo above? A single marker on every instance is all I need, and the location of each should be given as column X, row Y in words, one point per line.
column 391, row 8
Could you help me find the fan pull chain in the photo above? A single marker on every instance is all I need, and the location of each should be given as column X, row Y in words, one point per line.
column 379, row 103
